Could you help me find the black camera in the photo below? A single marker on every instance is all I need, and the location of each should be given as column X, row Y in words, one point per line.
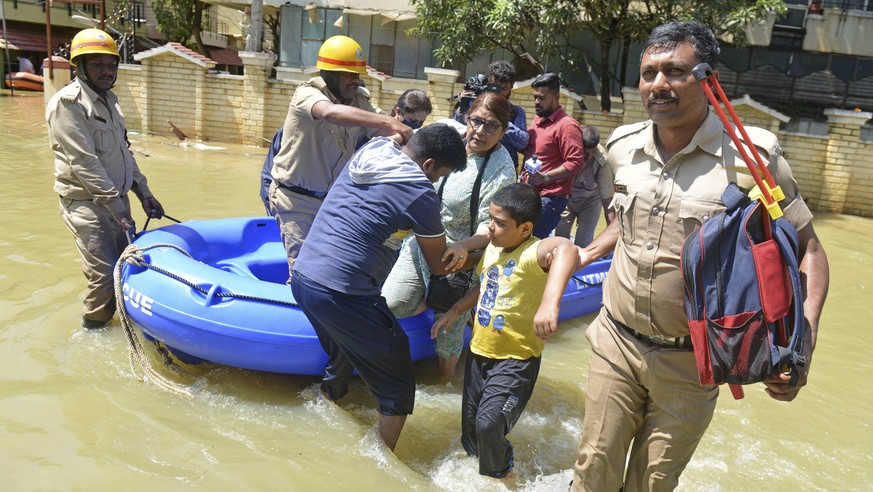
column 477, row 84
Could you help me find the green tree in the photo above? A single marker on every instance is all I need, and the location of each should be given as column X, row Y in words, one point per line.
column 180, row 21
column 539, row 31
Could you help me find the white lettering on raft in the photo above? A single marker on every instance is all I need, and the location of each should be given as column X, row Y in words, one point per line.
column 137, row 300
column 589, row 280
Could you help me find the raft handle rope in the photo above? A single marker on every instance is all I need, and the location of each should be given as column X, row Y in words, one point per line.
column 146, row 226
column 133, row 255
column 135, row 252
column 132, row 234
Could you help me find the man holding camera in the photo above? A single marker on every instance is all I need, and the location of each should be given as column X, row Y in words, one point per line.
column 501, row 77
column 556, row 148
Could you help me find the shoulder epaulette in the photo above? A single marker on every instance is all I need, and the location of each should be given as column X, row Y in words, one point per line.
column 764, row 140
column 363, row 92
column 68, row 93
column 625, row 131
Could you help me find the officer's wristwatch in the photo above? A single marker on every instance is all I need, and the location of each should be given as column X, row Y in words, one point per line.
column 546, row 177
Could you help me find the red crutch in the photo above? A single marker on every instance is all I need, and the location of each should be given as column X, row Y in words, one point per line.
column 766, row 191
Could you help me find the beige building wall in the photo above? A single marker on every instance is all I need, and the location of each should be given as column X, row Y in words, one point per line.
column 835, row 172
column 224, row 107
column 277, row 98
column 806, row 154
column 173, row 94
column 131, row 92
column 847, row 179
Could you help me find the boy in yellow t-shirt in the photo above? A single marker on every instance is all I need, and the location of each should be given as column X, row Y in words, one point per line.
column 517, row 308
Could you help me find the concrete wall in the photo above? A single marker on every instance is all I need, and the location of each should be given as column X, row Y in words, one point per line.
column 835, row 172
column 838, row 30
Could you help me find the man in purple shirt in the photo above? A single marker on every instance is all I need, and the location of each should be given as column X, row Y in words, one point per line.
column 556, row 140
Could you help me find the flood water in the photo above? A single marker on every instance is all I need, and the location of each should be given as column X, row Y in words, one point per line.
column 74, row 417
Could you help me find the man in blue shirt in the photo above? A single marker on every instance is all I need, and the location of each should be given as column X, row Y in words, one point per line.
column 266, row 170
column 384, row 194
column 515, row 139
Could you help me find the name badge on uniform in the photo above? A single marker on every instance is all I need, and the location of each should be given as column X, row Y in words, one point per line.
column 620, row 188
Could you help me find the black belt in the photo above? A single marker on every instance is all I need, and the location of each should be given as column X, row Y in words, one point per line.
column 303, row 191
column 659, row 341
column 559, row 197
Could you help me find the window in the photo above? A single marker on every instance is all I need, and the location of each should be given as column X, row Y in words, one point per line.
column 406, row 52
column 382, row 58
column 788, row 31
column 382, row 46
column 386, row 46
column 849, row 4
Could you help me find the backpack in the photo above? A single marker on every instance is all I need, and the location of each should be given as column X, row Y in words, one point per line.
column 743, row 295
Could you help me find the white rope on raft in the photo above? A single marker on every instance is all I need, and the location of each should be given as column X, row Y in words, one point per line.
column 133, row 255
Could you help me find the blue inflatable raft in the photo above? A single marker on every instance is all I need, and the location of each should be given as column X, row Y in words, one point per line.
column 228, row 303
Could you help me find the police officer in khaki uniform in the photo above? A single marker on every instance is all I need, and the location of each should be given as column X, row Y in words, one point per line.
column 328, row 118
column 94, row 169
column 670, row 172
column 591, row 192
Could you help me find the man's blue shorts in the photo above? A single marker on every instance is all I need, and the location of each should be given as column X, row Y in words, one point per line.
column 359, row 332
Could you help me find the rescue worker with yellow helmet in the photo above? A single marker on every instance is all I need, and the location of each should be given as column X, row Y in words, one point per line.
column 95, row 170
column 329, row 116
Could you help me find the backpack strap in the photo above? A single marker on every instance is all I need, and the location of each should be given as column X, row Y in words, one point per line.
column 733, row 197
column 474, row 198
column 792, row 357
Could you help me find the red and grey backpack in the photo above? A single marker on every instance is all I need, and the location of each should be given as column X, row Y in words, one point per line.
column 743, row 295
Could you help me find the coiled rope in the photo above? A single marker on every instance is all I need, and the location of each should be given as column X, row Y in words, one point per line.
column 133, row 255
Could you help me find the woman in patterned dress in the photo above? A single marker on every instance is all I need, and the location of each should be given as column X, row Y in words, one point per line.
column 405, row 287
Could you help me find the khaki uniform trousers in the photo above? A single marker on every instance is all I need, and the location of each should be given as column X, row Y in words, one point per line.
column 100, row 241
column 294, row 214
column 586, row 213
column 644, row 394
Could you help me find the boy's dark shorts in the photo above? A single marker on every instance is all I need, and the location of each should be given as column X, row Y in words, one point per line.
column 369, row 335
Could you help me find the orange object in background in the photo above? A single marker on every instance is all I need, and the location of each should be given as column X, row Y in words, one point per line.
column 24, row 80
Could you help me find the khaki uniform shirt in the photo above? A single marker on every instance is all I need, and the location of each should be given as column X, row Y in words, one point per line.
column 594, row 179
column 314, row 151
column 659, row 204
column 89, row 139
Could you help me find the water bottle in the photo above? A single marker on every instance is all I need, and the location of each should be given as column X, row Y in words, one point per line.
column 533, row 165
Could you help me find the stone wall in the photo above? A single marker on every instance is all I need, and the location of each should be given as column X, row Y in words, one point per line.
column 174, row 90
column 806, row 154
column 224, row 108
column 835, row 172
column 131, row 94
column 847, row 177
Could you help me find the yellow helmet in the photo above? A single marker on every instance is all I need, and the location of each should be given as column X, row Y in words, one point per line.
column 343, row 54
column 91, row 42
